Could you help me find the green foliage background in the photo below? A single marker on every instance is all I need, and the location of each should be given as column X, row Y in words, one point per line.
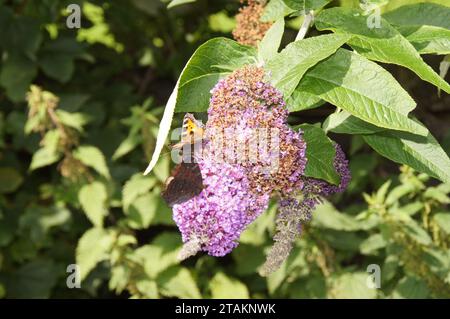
column 72, row 190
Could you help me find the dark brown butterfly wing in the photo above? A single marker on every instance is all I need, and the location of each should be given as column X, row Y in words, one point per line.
column 185, row 183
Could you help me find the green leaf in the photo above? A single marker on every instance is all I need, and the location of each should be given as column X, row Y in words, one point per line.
column 248, row 258
column 275, row 10
column 420, row 14
column 93, row 199
column 93, row 247
column 424, row 154
column 136, row 186
column 411, row 288
column 352, row 286
column 35, row 279
column 394, row 4
column 26, row 30
column 43, row 157
column 384, row 44
column 73, row 120
column 341, row 240
column 289, row 66
column 427, row 39
column 363, row 89
column 269, row 45
column 300, row 101
column 345, row 123
column 306, row 5
column 149, row 7
column 207, row 65
column 58, row 66
column 92, row 157
column 312, row 287
column 425, row 25
column 39, row 220
column 416, row 232
column 372, row 244
column 175, row 3
column 443, row 220
column 178, row 282
column 436, row 194
column 142, row 211
column 224, row 287
column 10, row 180
column 320, row 153
column 16, row 75
column 120, row 277
column 48, row 153
column 126, row 146
column 326, row 216
column 158, row 256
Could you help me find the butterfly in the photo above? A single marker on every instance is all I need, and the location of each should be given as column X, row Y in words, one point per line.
column 184, row 183
column 186, row 180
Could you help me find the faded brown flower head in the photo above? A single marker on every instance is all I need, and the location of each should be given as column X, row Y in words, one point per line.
column 249, row 28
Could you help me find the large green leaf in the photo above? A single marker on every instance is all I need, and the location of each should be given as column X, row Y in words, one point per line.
column 425, row 25
column 210, row 61
column 424, row 154
column 288, row 67
column 384, row 44
column 362, row 88
column 320, row 153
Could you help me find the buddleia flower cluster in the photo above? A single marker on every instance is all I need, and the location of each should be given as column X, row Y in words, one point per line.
column 250, row 155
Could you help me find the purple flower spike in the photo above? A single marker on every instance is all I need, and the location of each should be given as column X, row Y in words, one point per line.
column 216, row 218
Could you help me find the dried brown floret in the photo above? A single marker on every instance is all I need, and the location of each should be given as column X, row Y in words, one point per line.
column 249, row 28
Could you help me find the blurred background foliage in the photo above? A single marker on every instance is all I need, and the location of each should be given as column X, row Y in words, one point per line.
column 79, row 113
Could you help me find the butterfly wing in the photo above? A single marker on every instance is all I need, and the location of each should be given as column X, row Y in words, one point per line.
column 185, row 183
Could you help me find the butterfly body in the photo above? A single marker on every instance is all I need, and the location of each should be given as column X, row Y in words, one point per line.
column 192, row 132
